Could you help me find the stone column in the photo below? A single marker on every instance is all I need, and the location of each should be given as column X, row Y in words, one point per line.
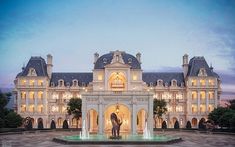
column 44, row 102
column 216, row 98
column 133, row 116
column 27, row 101
column 36, row 102
column 101, row 117
column 19, row 101
column 198, row 102
column 150, row 114
column 207, row 101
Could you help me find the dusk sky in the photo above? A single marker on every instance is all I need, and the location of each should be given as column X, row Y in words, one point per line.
column 162, row 31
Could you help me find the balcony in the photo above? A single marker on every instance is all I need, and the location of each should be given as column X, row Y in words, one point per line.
column 31, row 86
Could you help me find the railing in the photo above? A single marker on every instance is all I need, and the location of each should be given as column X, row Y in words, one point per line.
column 117, row 93
column 30, row 86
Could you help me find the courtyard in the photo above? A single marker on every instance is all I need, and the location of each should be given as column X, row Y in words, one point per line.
column 44, row 139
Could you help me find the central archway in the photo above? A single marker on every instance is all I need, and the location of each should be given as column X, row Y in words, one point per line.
column 123, row 113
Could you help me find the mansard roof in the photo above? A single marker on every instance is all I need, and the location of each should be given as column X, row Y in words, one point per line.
column 69, row 77
column 166, row 77
column 196, row 63
column 37, row 63
column 108, row 58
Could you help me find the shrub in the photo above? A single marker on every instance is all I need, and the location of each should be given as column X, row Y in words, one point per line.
column 29, row 124
column 40, row 124
column 201, row 124
column 2, row 123
column 53, row 126
column 164, row 125
column 188, row 125
column 65, row 124
column 176, row 125
column 13, row 120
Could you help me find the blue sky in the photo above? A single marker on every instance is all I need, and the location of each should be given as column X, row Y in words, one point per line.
column 163, row 31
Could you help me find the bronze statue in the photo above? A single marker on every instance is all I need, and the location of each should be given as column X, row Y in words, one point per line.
column 116, row 125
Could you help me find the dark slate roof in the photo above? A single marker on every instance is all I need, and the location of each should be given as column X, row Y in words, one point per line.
column 69, row 77
column 199, row 62
column 100, row 61
column 38, row 63
column 153, row 77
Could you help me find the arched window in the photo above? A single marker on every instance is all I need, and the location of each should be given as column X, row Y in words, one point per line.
column 104, row 60
column 61, row 83
column 75, row 82
column 160, row 82
column 173, row 83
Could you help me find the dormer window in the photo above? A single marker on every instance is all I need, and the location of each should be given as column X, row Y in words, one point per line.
column 52, row 84
column 182, row 84
column 173, row 82
column 159, row 83
column 61, row 83
column 75, row 83
column 32, row 72
column 105, row 60
column 129, row 60
column 83, row 84
column 202, row 72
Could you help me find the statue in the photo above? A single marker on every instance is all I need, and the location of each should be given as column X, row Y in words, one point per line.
column 116, row 126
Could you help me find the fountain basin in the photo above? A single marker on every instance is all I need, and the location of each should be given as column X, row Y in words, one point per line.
column 127, row 139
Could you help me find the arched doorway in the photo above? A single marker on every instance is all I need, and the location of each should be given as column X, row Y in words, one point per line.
column 141, row 119
column 174, row 119
column 92, row 120
column 122, row 113
column 59, row 122
column 194, row 122
column 40, row 123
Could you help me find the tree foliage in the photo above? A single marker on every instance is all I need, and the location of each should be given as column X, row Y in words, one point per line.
column 201, row 124
column 65, row 124
column 176, row 125
column 216, row 114
column 159, row 107
column 13, row 120
column 232, row 104
column 75, row 108
column 188, row 125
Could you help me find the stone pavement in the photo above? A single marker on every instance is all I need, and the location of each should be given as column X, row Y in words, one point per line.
column 190, row 139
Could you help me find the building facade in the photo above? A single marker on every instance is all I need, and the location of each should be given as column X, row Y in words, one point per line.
column 117, row 84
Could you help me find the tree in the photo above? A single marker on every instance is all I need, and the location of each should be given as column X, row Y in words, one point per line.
column 164, row 125
column 224, row 120
column 201, row 124
column 232, row 104
column 65, row 124
column 188, row 125
column 176, row 125
column 232, row 122
column 2, row 123
column 29, row 124
column 216, row 114
column 159, row 108
column 75, row 108
column 4, row 99
column 53, row 125
column 13, row 120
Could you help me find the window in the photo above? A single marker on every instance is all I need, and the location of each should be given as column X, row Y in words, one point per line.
column 202, row 94
column 23, row 95
column 129, row 60
column 31, row 108
column 169, row 108
column 23, row 108
column 23, row 82
column 100, row 77
column 55, row 96
column 31, row 82
column 202, row 72
column 40, row 108
column 32, row 72
column 179, row 96
column 67, row 84
column 194, row 108
column 179, row 109
column 104, row 60
column 211, row 94
column 166, row 95
column 75, row 83
column 194, row 95
column 210, row 108
column 194, row 82
column 61, row 83
column 40, row 94
column 174, row 83
column 202, row 108
column 211, row 82
column 134, row 77
column 52, row 84
column 159, row 82
column 202, row 82
column 31, row 95
column 54, row 108
column 40, row 82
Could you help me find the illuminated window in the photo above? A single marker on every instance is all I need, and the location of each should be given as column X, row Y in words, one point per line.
column 194, row 82
column 31, row 108
column 61, row 83
column 194, row 108
column 211, row 94
column 40, row 94
column 202, row 82
column 202, row 94
column 67, row 95
column 179, row 109
column 100, row 77
column 202, row 108
column 173, row 83
column 159, row 83
column 55, row 96
column 211, row 82
column 210, row 108
column 23, row 95
column 23, row 108
column 40, row 82
column 169, row 108
column 54, row 108
column 117, row 81
column 194, row 95
column 134, row 77
column 75, row 83
column 40, row 108
column 31, row 82
column 166, row 95
column 179, row 96
column 23, row 82
column 31, row 95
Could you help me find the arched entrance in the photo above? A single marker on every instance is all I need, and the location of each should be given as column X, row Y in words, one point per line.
column 92, row 120
column 117, row 81
column 194, row 122
column 59, row 122
column 123, row 113
column 141, row 119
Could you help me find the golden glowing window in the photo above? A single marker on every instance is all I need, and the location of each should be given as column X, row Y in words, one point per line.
column 210, row 108
column 117, row 82
column 23, row 82
column 23, row 95
column 23, row 108
column 40, row 108
column 54, row 108
column 134, row 77
column 31, row 95
column 202, row 108
column 31, row 82
column 100, row 77
column 211, row 82
column 179, row 108
column 40, row 94
column 31, row 108
column 202, row 82
column 40, row 82
column 211, row 94
column 194, row 95
column 194, row 108
column 202, row 95
column 194, row 82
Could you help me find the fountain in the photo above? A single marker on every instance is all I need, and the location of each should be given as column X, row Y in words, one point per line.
column 85, row 133
column 146, row 133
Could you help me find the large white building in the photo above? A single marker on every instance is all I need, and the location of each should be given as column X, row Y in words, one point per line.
column 117, row 84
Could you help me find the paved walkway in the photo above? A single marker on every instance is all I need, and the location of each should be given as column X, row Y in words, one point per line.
column 44, row 139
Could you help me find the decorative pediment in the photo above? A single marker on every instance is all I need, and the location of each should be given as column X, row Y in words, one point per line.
column 32, row 72
column 202, row 72
column 117, row 57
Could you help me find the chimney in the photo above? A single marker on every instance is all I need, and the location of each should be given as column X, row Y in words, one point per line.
column 96, row 56
column 49, row 65
column 185, row 65
column 138, row 57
